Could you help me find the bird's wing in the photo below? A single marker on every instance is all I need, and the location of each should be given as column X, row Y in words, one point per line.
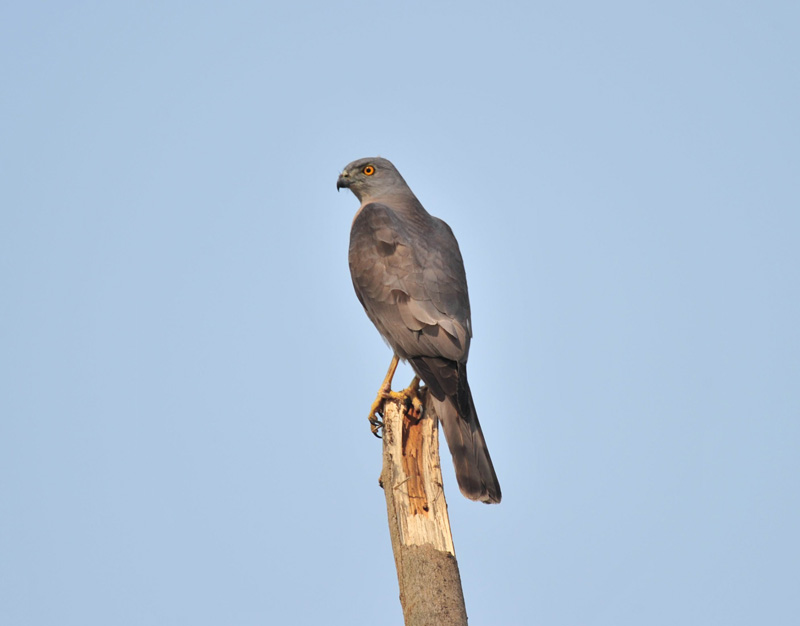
column 409, row 276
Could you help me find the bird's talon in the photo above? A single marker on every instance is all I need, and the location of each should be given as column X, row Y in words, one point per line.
column 375, row 426
column 414, row 407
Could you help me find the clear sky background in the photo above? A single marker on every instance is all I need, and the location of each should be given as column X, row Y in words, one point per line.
column 185, row 370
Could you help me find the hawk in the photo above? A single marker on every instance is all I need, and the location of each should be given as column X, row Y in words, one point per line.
column 409, row 276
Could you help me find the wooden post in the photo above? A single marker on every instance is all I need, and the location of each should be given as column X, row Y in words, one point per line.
column 427, row 570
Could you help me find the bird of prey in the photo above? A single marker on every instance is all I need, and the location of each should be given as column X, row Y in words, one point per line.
column 409, row 276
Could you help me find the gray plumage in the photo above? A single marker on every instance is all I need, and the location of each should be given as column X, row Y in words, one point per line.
column 409, row 276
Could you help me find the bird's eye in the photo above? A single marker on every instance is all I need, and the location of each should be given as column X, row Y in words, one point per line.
column 368, row 170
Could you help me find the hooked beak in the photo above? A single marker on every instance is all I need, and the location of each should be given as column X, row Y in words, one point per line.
column 343, row 181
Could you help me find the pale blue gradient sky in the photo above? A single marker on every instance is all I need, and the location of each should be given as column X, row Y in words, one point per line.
column 186, row 370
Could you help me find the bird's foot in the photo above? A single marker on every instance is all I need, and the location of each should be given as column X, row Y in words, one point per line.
column 375, row 424
column 413, row 400
column 410, row 398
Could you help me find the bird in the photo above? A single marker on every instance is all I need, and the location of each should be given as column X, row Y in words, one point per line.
column 409, row 276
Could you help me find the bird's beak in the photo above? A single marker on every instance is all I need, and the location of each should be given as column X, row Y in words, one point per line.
column 343, row 182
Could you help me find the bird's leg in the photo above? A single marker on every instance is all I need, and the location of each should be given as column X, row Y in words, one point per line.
column 376, row 410
column 410, row 395
column 413, row 398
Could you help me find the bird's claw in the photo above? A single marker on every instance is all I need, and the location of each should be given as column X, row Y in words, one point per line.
column 376, row 412
column 375, row 425
column 412, row 405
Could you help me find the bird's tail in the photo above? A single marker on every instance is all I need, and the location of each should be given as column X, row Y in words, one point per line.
column 473, row 465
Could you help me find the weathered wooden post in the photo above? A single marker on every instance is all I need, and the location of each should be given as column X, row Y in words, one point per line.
column 427, row 570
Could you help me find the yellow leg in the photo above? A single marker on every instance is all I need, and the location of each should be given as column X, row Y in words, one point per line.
column 410, row 393
column 386, row 387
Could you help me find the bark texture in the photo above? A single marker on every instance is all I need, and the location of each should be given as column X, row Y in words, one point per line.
column 427, row 570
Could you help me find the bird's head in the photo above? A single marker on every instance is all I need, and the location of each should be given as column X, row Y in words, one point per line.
column 371, row 178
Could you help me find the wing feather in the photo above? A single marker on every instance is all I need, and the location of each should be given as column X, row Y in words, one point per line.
column 409, row 276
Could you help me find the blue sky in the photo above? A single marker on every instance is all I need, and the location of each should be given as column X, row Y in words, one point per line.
column 186, row 370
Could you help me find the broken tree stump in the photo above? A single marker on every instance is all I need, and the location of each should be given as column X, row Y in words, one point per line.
column 427, row 570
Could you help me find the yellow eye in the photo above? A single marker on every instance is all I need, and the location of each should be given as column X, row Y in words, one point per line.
column 368, row 170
